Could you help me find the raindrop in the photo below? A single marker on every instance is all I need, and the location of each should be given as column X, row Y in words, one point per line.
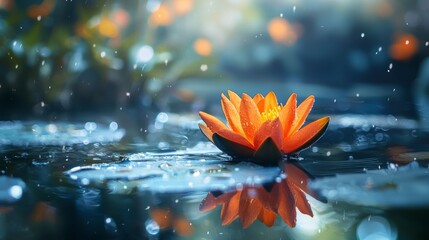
column 328, row 153
column 42, row 104
column 390, row 65
column 127, row 94
column 102, row 54
column 281, row 15
column 145, row 54
column 39, row 18
column 362, row 35
column 204, row 67
column 152, row 228
column 357, row 94
column 427, row 44
column 15, row 191
column 294, row 9
column 90, row 126
column 113, row 126
column 407, row 42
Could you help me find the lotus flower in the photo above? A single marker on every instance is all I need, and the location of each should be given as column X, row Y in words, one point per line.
column 264, row 203
column 262, row 130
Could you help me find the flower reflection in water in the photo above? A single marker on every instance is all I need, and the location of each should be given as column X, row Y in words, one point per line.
column 264, row 202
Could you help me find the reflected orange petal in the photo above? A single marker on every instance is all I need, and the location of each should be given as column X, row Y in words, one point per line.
column 250, row 117
column 231, row 115
column 212, row 122
column 287, row 114
column 249, row 209
column 267, row 216
column 287, row 207
column 305, row 136
column 301, row 200
column 206, row 131
column 230, row 209
column 235, row 99
column 270, row 101
column 302, row 112
column 209, row 203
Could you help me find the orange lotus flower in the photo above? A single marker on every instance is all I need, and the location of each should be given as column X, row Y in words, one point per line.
column 262, row 202
column 261, row 129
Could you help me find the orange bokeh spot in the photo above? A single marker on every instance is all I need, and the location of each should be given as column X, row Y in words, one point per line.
column 108, row 28
column 42, row 10
column 203, row 47
column 161, row 16
column 384, row 8
column 162, row 217
column 121, row 17
column 183, row 227
column 282, row 31
column 404, row 47
column 182, row 7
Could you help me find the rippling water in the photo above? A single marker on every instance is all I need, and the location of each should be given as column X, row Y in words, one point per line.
column 366, row 178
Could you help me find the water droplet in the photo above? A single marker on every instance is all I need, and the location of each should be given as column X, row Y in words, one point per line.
column 102, row 54
column 390, row 65
column 294, row 9
column 281, row 15
column 39, row 18
column 357, row 94
column 15, row 191
column 152, row 228
column 204, row 67
column 407, row 42
column 113, row 126
column 127, row 94
column 362, row 35
column 328, row 153
column 427, row 44
column 144, row 54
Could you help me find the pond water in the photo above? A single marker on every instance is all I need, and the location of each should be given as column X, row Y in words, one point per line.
column 80, row 181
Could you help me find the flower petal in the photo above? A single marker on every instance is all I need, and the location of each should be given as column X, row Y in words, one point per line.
column 272, row 129
column 287, row 206
column 250, row 117
column 302, row 112
column 212, row 122
column 208, row 203
column 270, row 101
column 267, row 216
column 268, row 154
column 231, row 146
column 230, row 209
column 287, row 114
column 249, row 207
column 231, row 115
column 257, row 98
column 301, row 200
column 206, row 131
column 235, row 99
column 305, row 136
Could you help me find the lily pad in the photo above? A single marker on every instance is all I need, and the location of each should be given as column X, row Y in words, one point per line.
column 404, row 187
column 19, row 133
column 179, row 171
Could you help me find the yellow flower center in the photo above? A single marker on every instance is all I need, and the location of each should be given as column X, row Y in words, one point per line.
column 271, row 113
